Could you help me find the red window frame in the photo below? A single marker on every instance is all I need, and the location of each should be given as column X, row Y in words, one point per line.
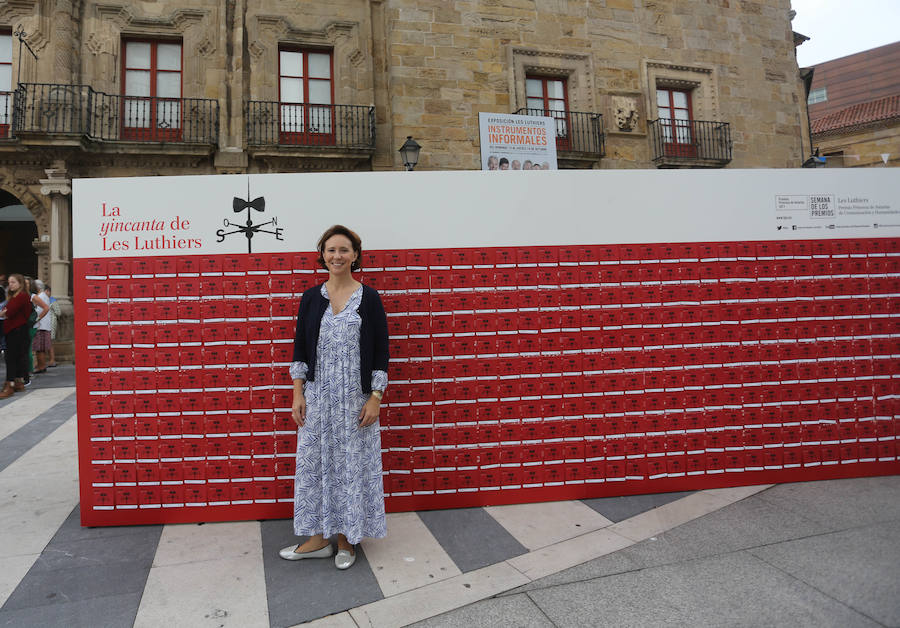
column 152, row 131
column 6, row 95
column 308, row 134
column 563, row 123
column 678, row 133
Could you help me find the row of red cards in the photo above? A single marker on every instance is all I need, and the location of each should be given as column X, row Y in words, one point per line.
column 192, row 470
column 673, row 443
column 497, row 256
column 192, row 445
column 224, row 298
column 620, row 435
column 172, row 400
column 640, row 468
column 199, row 494
column 221, row 389
column 852, row 277
column 505, row 421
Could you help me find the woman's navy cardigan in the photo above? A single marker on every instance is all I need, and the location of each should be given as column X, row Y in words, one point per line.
column 373, row 333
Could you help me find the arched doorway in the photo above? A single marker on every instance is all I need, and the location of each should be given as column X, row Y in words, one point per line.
column 18, row 232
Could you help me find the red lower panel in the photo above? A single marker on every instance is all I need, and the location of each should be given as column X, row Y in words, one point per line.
column 529, row 374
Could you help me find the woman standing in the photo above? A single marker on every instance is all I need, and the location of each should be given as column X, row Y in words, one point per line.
column 340, row 373
column 40, row 309
column 42, row 343
column 15, row 326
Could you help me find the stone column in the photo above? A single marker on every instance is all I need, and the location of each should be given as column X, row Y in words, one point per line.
column 59, row 188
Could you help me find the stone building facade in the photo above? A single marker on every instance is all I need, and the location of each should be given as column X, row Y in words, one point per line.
column 135, row 88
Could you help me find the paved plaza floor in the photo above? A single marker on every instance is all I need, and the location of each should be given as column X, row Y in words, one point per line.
column 806, row 554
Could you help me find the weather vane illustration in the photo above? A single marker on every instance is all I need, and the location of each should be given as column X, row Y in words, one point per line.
column 248, row 228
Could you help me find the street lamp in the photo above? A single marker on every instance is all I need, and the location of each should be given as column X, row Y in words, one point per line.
column 409, row 153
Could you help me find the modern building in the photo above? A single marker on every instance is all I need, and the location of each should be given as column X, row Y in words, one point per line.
column 136, row 88
column 854, row 108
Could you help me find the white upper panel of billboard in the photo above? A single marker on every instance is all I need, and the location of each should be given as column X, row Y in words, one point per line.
column 286, row 212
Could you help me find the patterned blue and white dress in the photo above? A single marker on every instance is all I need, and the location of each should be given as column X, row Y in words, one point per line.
column 338, row 484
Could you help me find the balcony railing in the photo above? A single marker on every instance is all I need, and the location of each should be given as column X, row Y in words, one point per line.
column 189, row 120
column 6, row 113
column 310, row 125
column 576, row 131
column 80, row 111
column 49, row 108
column 690, row 141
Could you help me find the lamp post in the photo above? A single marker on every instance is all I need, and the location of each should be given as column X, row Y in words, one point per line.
column 409, row 153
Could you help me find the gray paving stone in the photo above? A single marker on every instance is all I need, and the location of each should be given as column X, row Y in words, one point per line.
column 36, row 430
column 41, row 587
column 620, row 508
column 78, row 566
column 114, row 611
column 860, row 567
column 72, row 530
column 122, row 548
column 515, row 610
column 732, row 590
column 471, row 537
column 744, row 524
column 747, row 523
column 840, row 504
column 299, row 591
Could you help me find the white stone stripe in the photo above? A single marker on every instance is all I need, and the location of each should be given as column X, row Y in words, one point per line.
column 440, row 597
column 37, row 493
column 23, row 407
column 545, row 523
column 409, row 557
column 206, row 575
column 673, row 514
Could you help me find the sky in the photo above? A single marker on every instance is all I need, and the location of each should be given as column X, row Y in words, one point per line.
column 838, row 28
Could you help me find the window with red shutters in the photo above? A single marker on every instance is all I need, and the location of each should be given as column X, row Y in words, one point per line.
column 548, row 96
column 306, row 96
column 151, row 107
column 676, row 118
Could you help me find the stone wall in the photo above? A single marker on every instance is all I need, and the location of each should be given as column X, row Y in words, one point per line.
column 449, row 61
column 863, row 147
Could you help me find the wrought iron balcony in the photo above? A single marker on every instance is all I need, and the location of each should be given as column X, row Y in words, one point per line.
column 305, row 125
column 139, row 119
column 690, row 142
column 6, row 114
column 78, row 111
column 579, row 134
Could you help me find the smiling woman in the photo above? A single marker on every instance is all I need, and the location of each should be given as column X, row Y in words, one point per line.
column 339, row 371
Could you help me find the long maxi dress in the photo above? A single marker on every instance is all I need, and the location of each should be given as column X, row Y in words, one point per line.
column 338, row 485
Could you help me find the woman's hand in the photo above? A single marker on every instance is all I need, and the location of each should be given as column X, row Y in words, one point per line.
column 298, row 407
column 369, row 413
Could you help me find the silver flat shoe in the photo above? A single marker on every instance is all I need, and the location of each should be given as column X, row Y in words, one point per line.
column 344, row 559
column 288, row 553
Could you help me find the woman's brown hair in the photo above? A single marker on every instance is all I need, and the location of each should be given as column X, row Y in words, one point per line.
column 355, row 241
column 21, row 281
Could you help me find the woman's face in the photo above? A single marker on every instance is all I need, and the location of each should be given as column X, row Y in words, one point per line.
column 14, row 285
column 339, row 254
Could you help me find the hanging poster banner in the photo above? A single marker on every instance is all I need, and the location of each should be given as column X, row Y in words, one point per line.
column 512, row 142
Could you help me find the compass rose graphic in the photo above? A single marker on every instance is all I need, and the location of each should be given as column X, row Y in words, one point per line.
column 248, row 228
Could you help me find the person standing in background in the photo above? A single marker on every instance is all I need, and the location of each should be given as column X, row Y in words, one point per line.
column 15, row 327
column 54, row 322
column 38, row 307
column 42, row 343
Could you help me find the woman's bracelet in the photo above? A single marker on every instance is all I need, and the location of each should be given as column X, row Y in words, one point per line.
column 377, row 394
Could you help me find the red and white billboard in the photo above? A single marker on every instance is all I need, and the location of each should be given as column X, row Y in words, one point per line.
column 567, row 335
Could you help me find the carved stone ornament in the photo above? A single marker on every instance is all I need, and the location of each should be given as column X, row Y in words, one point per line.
column 625, row 113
